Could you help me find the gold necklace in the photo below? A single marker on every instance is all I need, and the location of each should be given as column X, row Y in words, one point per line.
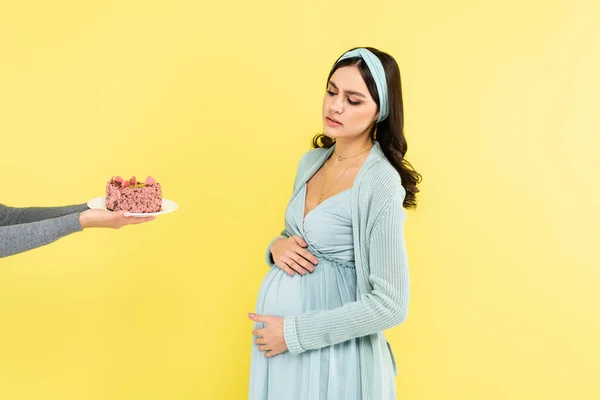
column 340, row 158
column 323, row 191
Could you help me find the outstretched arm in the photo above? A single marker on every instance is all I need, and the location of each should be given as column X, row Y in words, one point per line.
column 16, row 239
column 19, row 237
column 25, row 215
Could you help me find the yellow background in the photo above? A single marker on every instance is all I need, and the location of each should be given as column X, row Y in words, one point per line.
column 218, row 101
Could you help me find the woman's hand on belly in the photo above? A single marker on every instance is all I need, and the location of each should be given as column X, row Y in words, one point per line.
column 290, row 255
column 270, row 339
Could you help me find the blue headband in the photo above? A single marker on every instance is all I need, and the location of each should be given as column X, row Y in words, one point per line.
column 376, row 68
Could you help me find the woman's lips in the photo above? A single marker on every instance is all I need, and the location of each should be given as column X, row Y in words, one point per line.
column 332, row 123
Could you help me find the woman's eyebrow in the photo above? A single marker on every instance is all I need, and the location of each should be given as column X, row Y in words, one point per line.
column 354, row 92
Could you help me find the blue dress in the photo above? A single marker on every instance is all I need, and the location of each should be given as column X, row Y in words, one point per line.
column 329, row 373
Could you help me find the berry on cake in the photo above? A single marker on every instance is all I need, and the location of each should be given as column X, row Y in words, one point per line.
column 133, row 196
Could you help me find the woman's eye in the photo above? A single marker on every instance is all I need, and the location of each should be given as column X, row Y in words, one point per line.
column 353, row 103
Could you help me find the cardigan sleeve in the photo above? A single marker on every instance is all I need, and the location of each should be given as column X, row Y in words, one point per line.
column 385, row 306
column 18, row 238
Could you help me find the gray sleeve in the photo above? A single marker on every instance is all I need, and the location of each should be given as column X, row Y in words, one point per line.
column 25, row 215
column 16, row 239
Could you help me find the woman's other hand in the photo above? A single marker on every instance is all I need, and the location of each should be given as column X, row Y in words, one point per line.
column 270, row 339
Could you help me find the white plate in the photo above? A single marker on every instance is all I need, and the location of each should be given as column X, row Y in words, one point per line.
column 167, row 207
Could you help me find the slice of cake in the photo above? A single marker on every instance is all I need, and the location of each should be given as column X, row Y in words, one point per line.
column 133, row 196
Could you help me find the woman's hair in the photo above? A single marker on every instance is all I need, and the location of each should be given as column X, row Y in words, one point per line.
column 389, row 132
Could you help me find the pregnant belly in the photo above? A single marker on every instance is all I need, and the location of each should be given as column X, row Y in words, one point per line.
column 328, row 287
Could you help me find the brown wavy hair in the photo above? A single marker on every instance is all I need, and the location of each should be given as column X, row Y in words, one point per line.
column 389, row 132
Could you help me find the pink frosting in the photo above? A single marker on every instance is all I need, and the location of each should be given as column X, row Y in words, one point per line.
column 145, row 199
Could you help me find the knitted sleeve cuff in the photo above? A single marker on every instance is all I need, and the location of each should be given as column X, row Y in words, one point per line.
column 291, row 337
column 268, row 256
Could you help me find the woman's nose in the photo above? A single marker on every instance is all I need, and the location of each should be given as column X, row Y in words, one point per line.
column 337, row 105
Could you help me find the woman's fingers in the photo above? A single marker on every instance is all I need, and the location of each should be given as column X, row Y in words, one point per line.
column 291, row 256
column 269, row 350
column 271, row 353
column 258, row 332
column 283, row 264
column 307, row 255
column 293, row 264
column 302, row 263
column 300, row 249
column 300, row 241
column 294, row 258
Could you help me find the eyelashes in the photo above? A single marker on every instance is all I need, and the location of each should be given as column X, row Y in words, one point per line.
column 353, row 103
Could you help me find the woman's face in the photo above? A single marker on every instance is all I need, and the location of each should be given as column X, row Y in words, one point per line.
column 348, row 109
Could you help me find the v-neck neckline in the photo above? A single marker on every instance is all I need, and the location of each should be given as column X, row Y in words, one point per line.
column 374, row 153
column 316, row 169
column 305, row 194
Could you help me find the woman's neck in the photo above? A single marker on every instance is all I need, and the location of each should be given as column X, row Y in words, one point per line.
column 349, row 147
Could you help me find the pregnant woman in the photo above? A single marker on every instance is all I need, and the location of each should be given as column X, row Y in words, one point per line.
column 339, row 272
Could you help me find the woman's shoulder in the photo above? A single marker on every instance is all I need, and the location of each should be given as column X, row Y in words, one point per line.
column 311, row 157
column 381, row 177
column 380, row 189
